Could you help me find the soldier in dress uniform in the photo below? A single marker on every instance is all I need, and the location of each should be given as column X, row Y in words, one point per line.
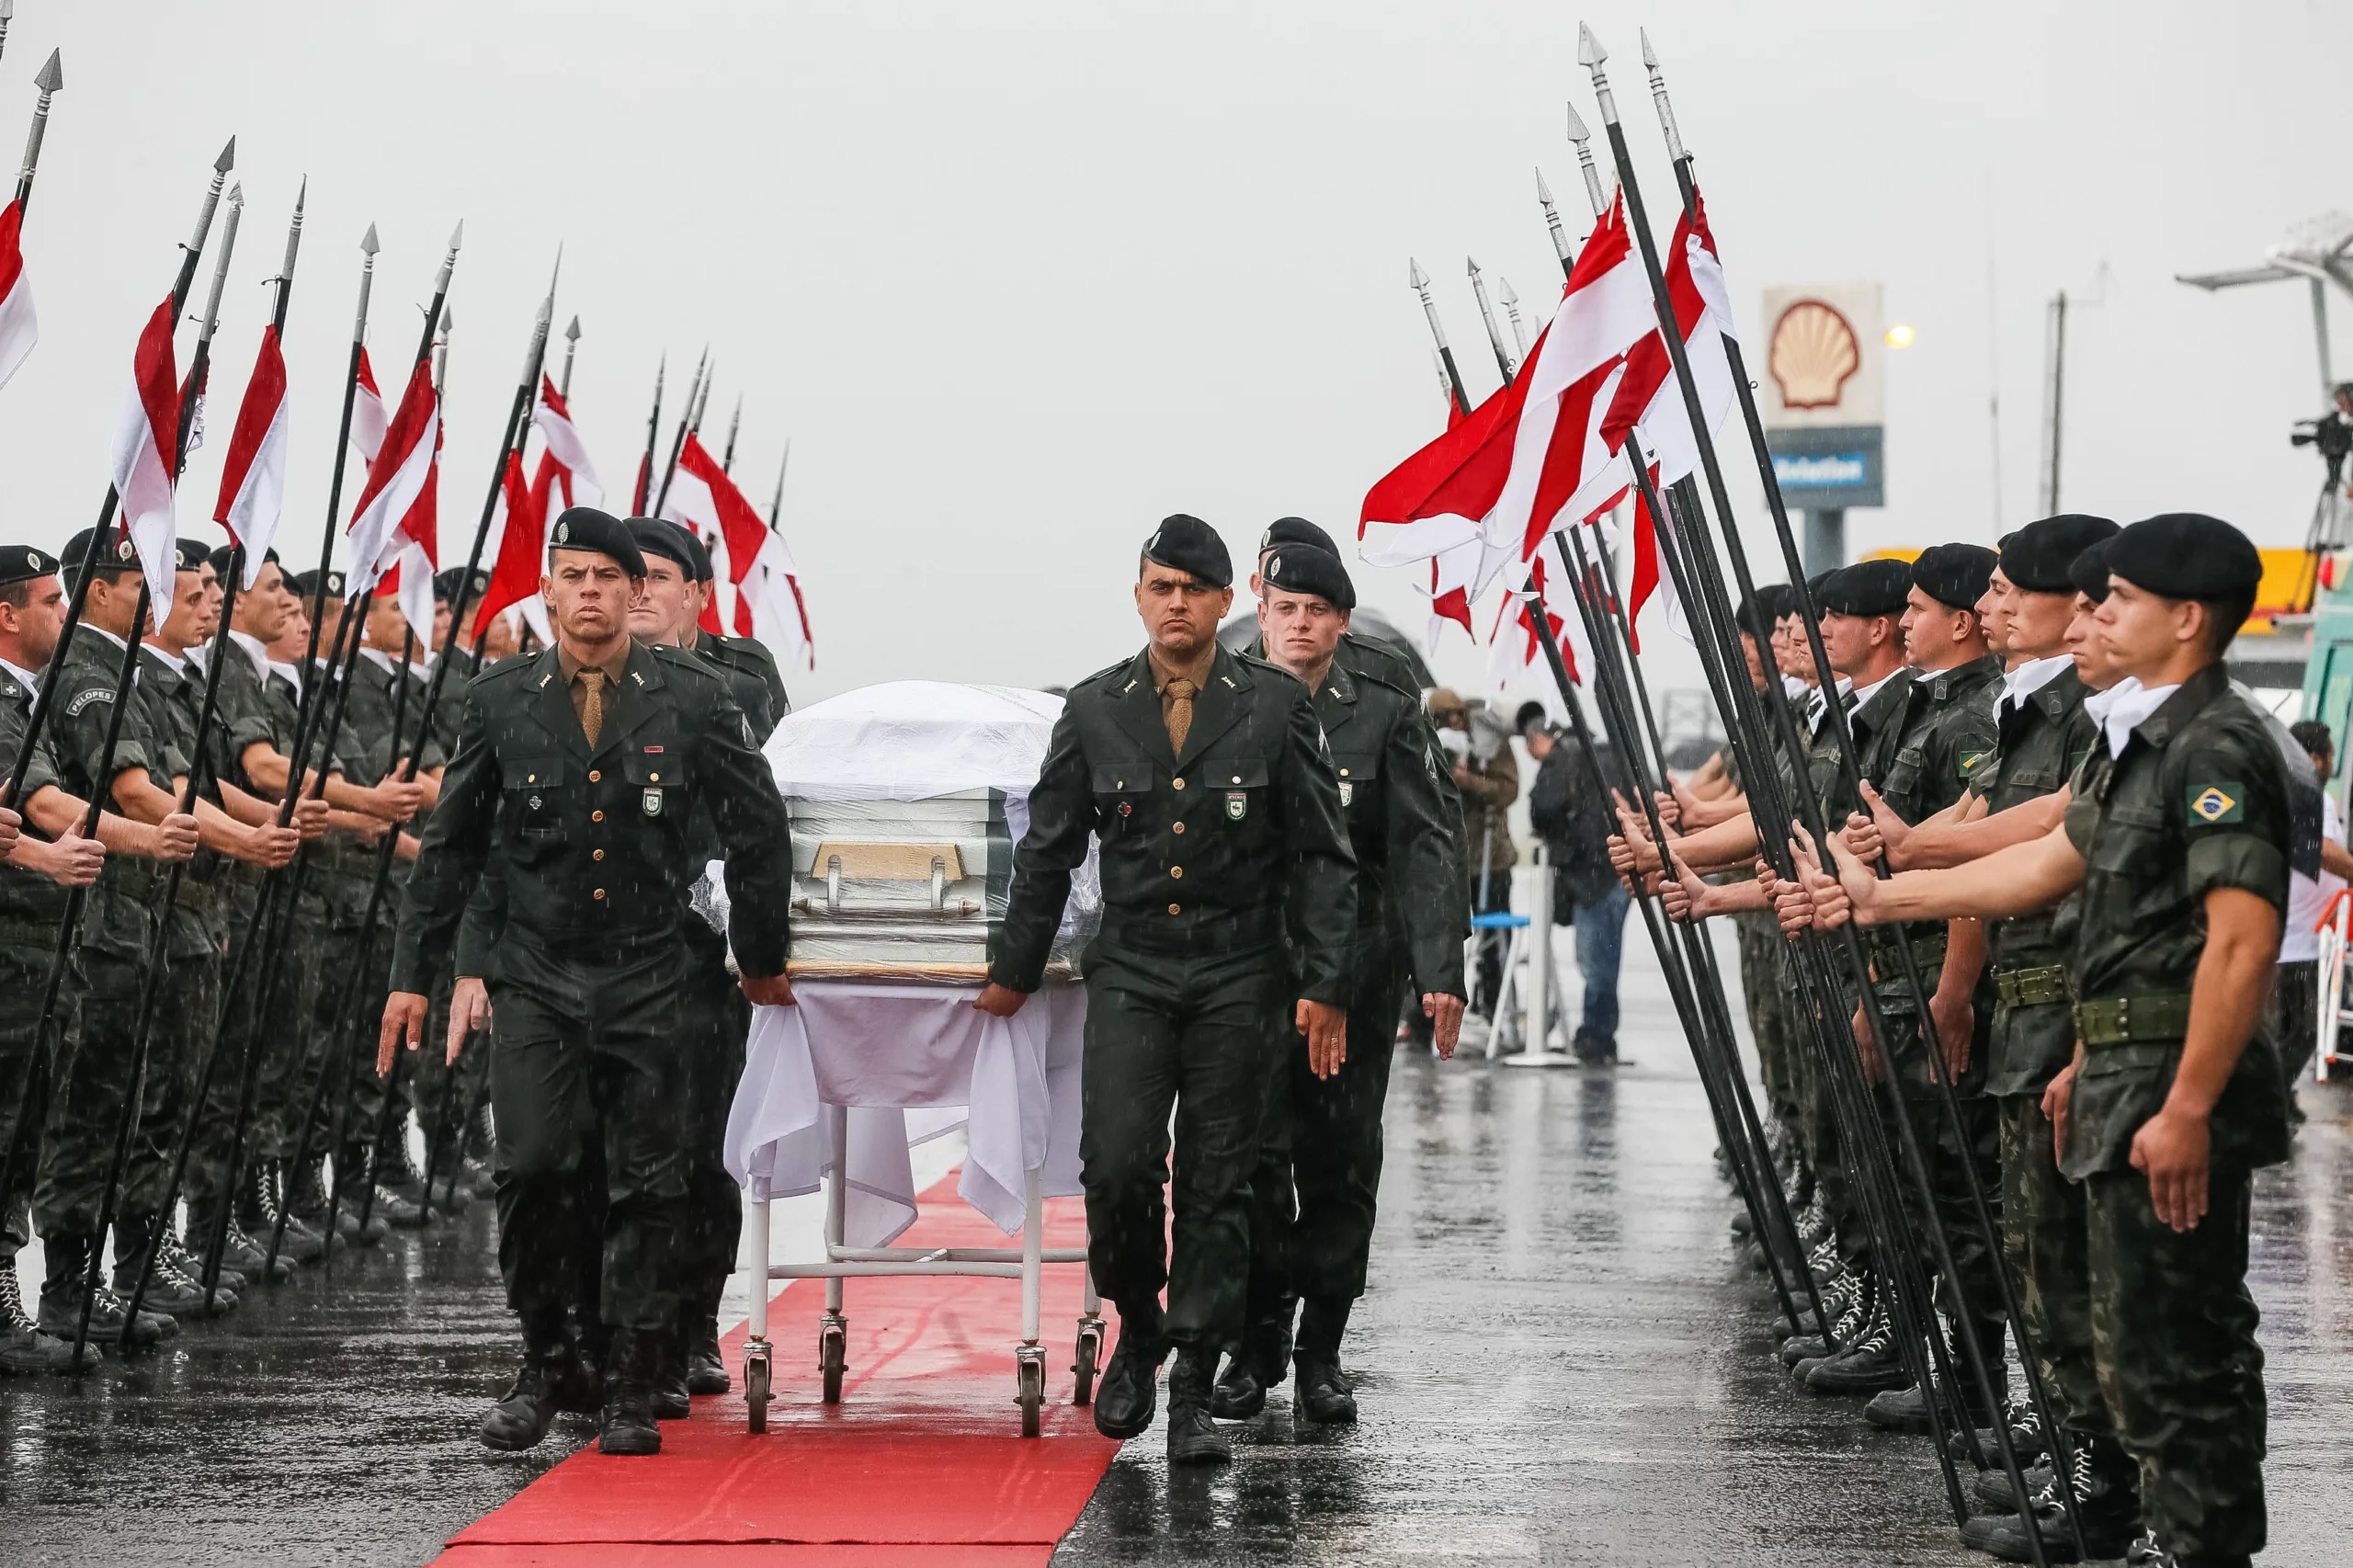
column 1205, row 775
column 580, row 774
column 42, row 857
column 2178, row 832
column 1307, row 1256
column 745, row 654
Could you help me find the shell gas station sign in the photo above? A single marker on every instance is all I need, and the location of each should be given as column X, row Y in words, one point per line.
column 1822, row 395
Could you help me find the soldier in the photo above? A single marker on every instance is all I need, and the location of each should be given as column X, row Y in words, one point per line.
column 1309, row 1258
column 2177, row 831
column 584, row 1007
column 35, row 870
column 1188, row 994
column 92, row 1077
column 748, row 655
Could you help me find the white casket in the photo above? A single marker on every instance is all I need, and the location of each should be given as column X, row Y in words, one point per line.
column 906, row 800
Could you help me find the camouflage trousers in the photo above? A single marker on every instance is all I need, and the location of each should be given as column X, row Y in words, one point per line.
column 2042, row 1241
column 187, row 1007
column 91, row 1086
column 2173, row 1327
column 1768, row 1013
column 445, row 1093
column 24, row 973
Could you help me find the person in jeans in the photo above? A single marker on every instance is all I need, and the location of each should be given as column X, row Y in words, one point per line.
column 1570, row 808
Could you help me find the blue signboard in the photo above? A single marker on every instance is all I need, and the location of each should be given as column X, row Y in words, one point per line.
column 1830, row 467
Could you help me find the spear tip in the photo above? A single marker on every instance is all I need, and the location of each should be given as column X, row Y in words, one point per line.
column 1577, row 132
column 237, row 194
column 458, row 235
column 301, row 194
column 1590, row 53
column 1505, row 293
column 572, row 333
column 368, row 245
column 1650, row 55
column 1474, row 264
column 7, row 10
column 1415, row 278
column 53, row 75
column 1543, row 191
column 228, row 158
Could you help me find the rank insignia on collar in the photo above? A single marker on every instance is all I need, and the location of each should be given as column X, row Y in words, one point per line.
column 2214, row 804
column 1237, row 805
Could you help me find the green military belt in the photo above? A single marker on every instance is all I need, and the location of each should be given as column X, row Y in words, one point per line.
column 2126, row 1019
column 2034, row 987
column 28, row 934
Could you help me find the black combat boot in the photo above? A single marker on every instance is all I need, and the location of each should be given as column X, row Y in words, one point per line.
column 592, row 1347
column 2025, row 1435
column 1865, row 1366
column 352, row 1180
column 170, row 1289
column 2108, row 1505
column 1128, row 1396
column 669, row 1354
column 24, row 1348
column 397, row 1173
column 260, row 1207
column 698, row 1335
column 1261, row 1363
column 629, row 1426
column 520, row 1419
column 1193, row 1437
column 1992, row 1487
column 1323, row 1393
column 69, row 1259
column 474, row 1159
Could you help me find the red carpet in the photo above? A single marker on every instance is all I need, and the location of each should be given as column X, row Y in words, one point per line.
column 922, row 1463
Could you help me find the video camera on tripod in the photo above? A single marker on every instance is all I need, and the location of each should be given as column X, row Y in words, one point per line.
column 2331, row 435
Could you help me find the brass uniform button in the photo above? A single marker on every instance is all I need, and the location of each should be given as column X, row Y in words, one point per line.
column 596, row 816
column 595, row 777
column 600, row 892
column 1176, row 783
column 1175, row 909
column 597, row 855
column 1177, row 872
column 1177, row 827
column 654, row 778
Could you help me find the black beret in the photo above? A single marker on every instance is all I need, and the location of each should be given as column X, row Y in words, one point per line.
column 2036, row 558
column 220, row 560
column 1771, row 601
column 2088, row 571
column 1303, row 569
column 1295, row 530
column 1190, row 546
column 120, row 555
column 1813, row 586
column 1954, row 574
column 2186, row 555
column 22, row 564
column 307, row 584
column 584, row 527
column 190, row 555
column 700, row 565
column 1867, row 588
column 667, row 539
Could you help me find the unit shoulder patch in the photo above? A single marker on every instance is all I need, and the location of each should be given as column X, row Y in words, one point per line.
column 2213, row 805
column 1968, row 761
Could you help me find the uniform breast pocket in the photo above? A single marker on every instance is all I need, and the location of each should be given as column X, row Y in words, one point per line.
column 1239, row 788
column 534, row 800
column 657, row 784
column 1903, row 776
column 1121, row 789
column 1359, row 778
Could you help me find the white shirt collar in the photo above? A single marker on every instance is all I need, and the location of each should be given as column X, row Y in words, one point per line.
column 293, row 676
column 255, row 655
column 2124, row 708
column 1867, row 693
column 1795, row 689
column 2021, row 684
column 21, row 676
column 1815, row 707
column 378, row 657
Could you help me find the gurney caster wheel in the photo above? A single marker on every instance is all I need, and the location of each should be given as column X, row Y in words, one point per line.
column 755, row 1384
column 1090, row 1356
column 1030, row 1384
column 833, row 1354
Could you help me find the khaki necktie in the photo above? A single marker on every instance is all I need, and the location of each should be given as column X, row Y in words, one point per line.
column 1180, row 694
column 592, row 707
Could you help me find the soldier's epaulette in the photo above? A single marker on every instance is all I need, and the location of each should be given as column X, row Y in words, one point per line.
column 689, row 659
column 1105, row 673
column 1386, row 679
column 506, row 669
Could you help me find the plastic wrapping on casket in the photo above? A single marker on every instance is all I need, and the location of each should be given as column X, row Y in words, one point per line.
column 905, row 802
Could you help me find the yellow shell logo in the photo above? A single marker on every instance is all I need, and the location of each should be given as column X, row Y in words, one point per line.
column 1813, row 352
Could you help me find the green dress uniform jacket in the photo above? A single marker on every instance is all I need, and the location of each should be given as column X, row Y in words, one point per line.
column 746, row 657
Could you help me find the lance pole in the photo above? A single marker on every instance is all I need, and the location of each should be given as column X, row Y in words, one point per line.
column 736, row 423
column 1488, row 314
column 1592, row 55
column 318, row 716
column 51, row 77
column 185, row 1142
column 776, row 504
column 1510, row 301
column 571, row 346
column 1946, row 1096
column 33, row 1092
column 689, row 417
column 653, row 437
column 1419, row 281
column 1552, row 222
column 152, row 971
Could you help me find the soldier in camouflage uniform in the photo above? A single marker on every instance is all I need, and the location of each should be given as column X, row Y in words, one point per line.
column 2177, row 831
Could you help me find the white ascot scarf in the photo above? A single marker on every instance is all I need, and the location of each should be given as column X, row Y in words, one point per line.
column 2020, row 686
column 2124, row 708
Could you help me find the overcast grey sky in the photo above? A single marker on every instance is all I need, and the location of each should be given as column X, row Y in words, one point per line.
column 1020, row 279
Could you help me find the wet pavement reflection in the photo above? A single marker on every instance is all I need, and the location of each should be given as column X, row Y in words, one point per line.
column 1559, row 1362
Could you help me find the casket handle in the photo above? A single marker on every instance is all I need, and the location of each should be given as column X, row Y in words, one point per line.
column 938, row 882
column 833, row 884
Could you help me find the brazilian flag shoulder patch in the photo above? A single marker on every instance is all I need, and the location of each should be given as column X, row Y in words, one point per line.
column 2211, row 805
column 1968, row 761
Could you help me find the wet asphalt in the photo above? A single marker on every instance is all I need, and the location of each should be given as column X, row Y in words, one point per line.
column 1559, row 1362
